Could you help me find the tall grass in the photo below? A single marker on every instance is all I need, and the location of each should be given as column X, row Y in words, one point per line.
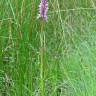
column 53, row 59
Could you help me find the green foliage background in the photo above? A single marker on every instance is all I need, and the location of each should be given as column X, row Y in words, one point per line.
column 70, row 48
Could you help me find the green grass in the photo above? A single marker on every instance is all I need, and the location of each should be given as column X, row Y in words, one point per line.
column 56, row 60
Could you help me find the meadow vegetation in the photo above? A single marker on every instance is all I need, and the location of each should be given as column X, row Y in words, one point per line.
column 66, row 66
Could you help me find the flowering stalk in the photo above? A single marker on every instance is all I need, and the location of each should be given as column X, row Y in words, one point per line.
column 43, row 9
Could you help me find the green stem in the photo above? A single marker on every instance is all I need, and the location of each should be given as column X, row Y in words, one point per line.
column 42, row 59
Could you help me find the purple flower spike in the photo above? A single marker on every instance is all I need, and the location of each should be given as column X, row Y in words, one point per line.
column 43, row 9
